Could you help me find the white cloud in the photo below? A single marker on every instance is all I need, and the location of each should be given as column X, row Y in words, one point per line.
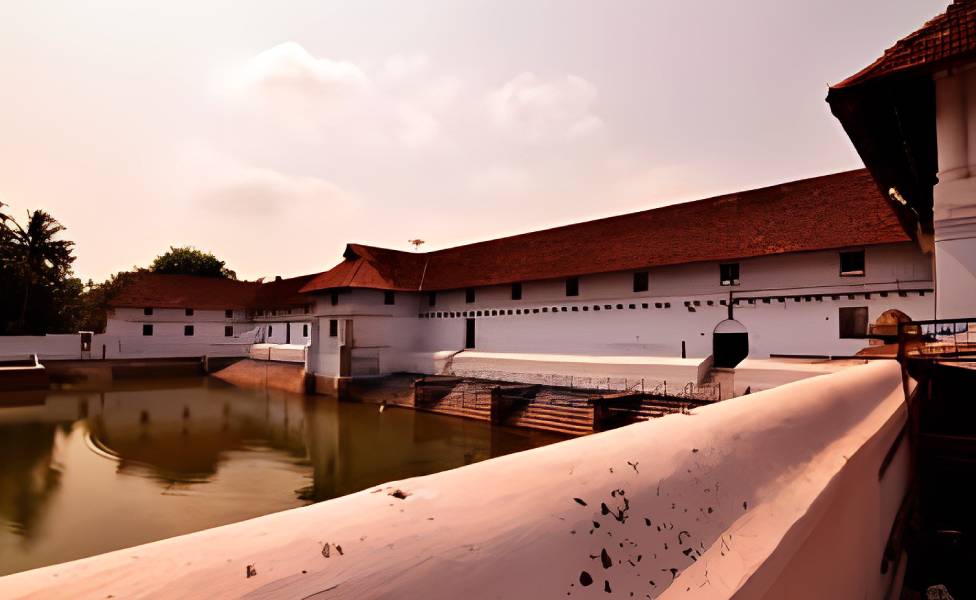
column 242, row 191
column 289, row 68
column 536, row 110
column 499, row 181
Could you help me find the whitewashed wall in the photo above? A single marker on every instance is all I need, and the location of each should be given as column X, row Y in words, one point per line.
column 659, row 321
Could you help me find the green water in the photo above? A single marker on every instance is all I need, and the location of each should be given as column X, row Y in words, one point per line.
column 86, row 472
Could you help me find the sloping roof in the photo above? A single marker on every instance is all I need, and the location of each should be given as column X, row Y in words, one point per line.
column 281, row 292
column 208, row 293
column 184, row 291
column 888, row 110
column 832, row 211
column 942, row 42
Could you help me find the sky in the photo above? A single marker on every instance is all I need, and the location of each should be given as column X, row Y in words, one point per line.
column 273, row 133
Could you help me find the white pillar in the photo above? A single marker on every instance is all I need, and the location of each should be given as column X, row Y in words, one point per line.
column 954, row 203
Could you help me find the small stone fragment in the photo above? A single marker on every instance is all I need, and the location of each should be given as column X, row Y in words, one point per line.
column 585, row 579
column 605, row 559
column 251, row 571
column 580, row 501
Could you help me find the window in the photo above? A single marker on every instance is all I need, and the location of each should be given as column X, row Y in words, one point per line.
column 469, row 295
column 228, row 331
column 147, row 312
column 640, row 281
column 229, row 314
column 432, row 299
column 334, row 297
column 728, row 273
column 189, row 312
column 333, row 328
column 852, row 263
column 147, row 329
column 389, row 297
column 270, row 329
column 305, row 330
column 572, row 286
column 853, row 322
column 188, row 330
column 516, row 291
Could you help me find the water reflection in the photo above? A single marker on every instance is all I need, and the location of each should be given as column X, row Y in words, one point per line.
column 88, row 471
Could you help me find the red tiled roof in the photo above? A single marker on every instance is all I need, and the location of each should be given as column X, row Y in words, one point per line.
column 832, row 211
column 208, row 293
column 941, row 42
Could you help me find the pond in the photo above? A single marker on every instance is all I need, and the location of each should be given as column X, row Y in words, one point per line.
column 86, row 472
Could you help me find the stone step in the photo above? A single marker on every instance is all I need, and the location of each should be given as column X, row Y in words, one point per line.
column 546, row 425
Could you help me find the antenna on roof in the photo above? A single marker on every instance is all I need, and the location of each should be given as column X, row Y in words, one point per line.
column 416, row 243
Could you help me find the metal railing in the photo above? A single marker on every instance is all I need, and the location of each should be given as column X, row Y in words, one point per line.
column 938, row 338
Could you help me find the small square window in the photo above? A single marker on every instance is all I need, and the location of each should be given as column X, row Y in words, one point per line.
column 188, row 330
column 572, row 286
column 853, row 322
column 333, row 328
column 228, row 331
column 432, row 299
column 389, row 297
column 334, row 298
column 516, row 291
column 189, row 312
column 640, row 281
column 728, row 273
column 229, row 314
column 147, row 311
column 147, row 329
column 469, row 295
column 852, row 263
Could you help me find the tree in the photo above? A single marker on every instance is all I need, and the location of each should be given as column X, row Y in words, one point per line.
column 35, row 274
column 187, row 260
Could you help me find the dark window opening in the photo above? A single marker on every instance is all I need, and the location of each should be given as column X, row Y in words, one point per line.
column 728, row 273
column 147, row 329
column 269, row 330
column 189, row 312
column 432, row 299
column 469, row 295
column 188, row 330
column 305, row 330
column 147, row 311
column 228, row 331
column 333, row 327
column 852, row 263
column 516, row 291
column 853, row 322
column 640, row 281
column 228, row 314
column 469, row 333
column 572, row 286
column 389, row 297
column 334, row 298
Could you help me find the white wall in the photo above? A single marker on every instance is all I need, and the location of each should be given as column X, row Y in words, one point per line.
column 659, row 321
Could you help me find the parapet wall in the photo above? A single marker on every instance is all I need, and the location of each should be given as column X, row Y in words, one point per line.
column 772, row 495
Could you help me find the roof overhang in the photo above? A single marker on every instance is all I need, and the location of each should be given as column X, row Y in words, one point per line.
column 891, row 122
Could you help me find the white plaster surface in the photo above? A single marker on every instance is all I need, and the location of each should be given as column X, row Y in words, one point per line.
column 778, row 492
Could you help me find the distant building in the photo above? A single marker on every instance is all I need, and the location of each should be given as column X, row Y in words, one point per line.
column 174, row 308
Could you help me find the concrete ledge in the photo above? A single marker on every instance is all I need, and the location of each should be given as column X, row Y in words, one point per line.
column 773, row 495
column 265, row 374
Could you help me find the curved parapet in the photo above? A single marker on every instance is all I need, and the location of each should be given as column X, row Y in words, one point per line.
column 780, row 494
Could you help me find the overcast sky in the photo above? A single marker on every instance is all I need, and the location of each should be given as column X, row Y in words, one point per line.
column 272, row 133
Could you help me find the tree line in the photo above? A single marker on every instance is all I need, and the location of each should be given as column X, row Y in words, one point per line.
column 39, row 292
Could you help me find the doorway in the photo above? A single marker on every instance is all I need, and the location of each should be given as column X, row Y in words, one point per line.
column 730, row 344
column 468, row 333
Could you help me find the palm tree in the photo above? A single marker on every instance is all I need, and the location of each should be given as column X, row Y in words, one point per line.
column 37, row 256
